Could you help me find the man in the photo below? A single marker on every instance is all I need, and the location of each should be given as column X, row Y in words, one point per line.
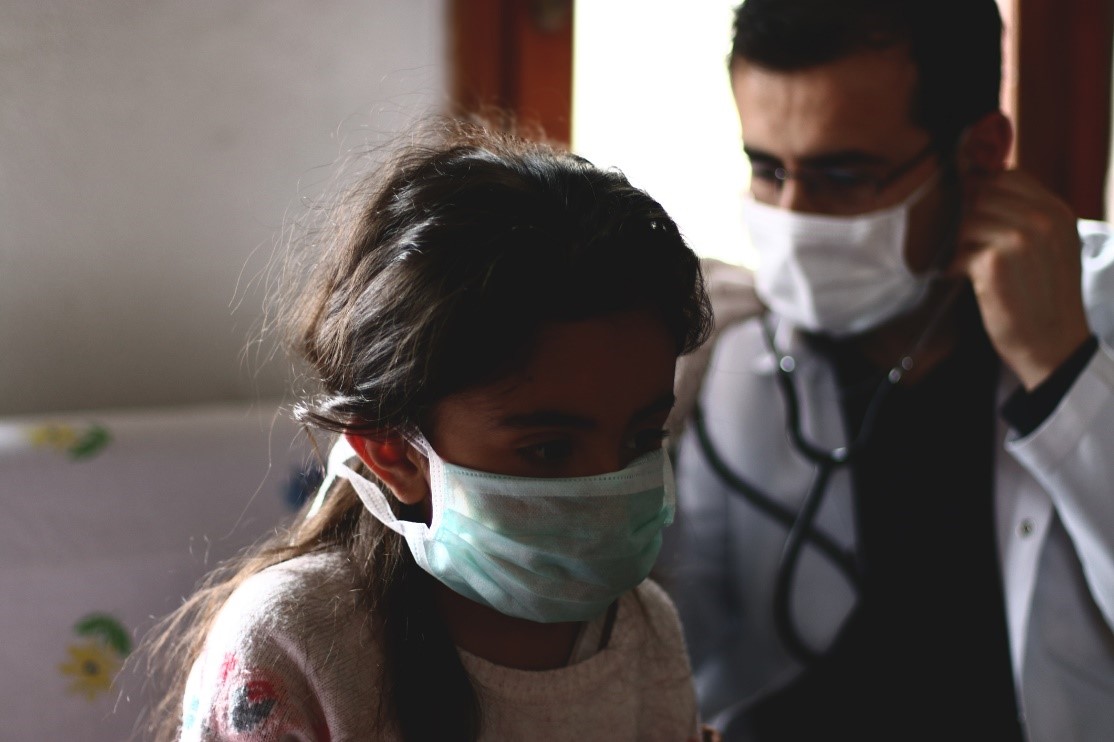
column 897, row 485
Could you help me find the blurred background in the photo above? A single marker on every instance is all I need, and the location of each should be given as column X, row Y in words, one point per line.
column 153, row 151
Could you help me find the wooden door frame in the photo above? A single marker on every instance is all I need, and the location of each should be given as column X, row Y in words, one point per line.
column 512, row 60
column 1062, row 97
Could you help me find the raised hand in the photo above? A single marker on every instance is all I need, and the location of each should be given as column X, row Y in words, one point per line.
column 1019, row 246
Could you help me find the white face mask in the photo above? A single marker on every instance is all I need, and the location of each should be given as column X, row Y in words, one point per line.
column 840, row 275
column 541, row 549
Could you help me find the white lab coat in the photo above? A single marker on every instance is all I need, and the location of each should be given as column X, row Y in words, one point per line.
column 1054, row 508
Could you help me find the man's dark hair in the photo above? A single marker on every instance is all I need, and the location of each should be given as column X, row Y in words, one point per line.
column 956, row 46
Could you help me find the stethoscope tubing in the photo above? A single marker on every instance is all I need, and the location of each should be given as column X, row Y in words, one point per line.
column 799, row 524
column 840, row 557
column 800, row 529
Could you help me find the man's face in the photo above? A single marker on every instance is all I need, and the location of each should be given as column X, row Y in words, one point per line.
column 847, row 127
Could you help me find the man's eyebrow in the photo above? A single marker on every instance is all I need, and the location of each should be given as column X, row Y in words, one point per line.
column 757, row 154
column 837, row 158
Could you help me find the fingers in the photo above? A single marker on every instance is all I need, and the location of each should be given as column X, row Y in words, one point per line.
column 1012, row 212
column 1018, row 245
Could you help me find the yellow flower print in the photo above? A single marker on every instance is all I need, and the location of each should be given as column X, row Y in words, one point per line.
column 79, row 444
column 59, row 437
column 92, row 666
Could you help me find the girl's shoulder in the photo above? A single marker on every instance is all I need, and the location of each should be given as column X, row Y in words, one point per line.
column 284, row 653
column 648, row 627
column 305, row 608
column 303, row 589
column 652, row 606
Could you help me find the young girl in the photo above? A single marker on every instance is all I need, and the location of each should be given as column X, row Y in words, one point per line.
column 492, row 330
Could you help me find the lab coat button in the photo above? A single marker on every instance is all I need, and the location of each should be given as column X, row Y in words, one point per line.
column 1026, row 527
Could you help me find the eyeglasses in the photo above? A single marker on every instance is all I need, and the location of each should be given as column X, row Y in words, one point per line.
column 833, row 190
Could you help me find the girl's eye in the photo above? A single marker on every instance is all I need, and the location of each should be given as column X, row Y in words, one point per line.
column 645, row 441
column 549, row 452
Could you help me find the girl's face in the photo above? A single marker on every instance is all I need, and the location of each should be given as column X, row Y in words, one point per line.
column 593, row 397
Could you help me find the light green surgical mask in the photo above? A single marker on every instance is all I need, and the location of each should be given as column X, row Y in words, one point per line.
column 545, row 550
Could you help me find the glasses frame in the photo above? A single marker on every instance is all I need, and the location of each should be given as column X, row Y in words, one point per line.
column 808, row 176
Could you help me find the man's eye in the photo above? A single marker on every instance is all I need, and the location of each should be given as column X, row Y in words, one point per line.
column 843, row 179
column 764, row 172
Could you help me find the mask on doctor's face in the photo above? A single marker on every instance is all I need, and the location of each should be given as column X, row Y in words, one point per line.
column 839, row 275
column 545, row 550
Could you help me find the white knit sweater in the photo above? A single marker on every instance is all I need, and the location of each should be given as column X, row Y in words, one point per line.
column 292, row 657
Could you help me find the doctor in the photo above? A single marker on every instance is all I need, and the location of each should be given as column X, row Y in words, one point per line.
column 897, row 482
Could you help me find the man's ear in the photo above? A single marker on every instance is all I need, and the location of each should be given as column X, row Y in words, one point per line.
column 985, row 145
column 401, row 467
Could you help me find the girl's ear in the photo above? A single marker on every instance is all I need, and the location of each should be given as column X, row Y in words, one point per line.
column 397, row 464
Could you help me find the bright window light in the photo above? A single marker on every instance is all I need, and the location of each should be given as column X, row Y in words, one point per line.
column 652, row 97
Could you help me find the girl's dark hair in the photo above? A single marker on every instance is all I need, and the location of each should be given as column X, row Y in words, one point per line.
column 432, row 277
column 956, row 46
column 442, row 278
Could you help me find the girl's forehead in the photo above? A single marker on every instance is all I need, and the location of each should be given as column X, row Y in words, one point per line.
column 594, row 371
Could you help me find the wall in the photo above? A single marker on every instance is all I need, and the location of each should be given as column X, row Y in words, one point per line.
column 150, row 154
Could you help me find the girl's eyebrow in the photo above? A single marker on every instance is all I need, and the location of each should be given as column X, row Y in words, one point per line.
column 546, row 419
column 557, row 419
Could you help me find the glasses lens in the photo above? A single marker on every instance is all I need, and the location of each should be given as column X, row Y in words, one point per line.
column 824, row 191
column 841, row 191
column 764, row 182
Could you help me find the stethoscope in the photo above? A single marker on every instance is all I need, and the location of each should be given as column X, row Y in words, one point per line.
column 827, row 461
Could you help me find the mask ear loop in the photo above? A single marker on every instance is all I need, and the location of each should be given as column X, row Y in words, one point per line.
column 370, row 494
column 437, row 493
column 949, row 176
column 374, row 499
column 669, row 484
column 340, row 453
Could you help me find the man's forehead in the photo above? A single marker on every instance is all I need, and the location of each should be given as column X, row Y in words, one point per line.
column 862, row 102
